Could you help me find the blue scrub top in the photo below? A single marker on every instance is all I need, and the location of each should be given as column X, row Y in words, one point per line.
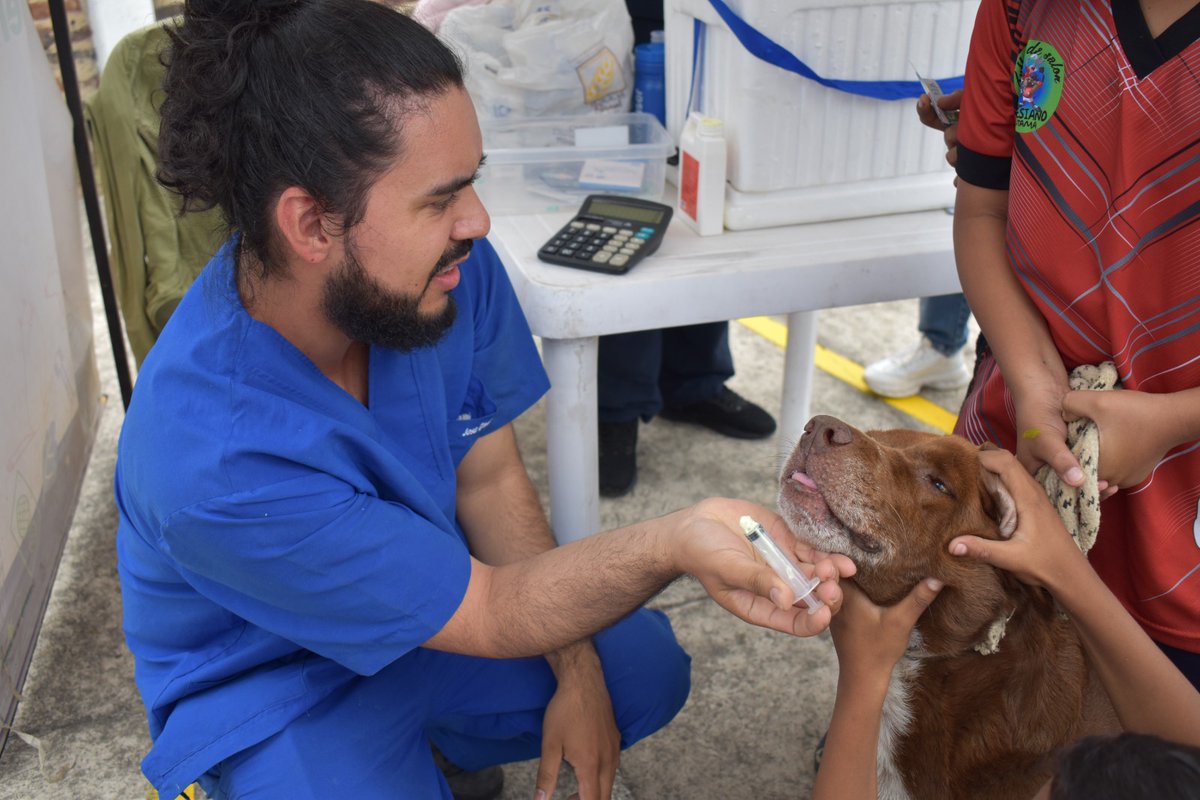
column 278, row 538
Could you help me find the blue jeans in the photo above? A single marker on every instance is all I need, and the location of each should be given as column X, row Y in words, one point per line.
column 943, row 321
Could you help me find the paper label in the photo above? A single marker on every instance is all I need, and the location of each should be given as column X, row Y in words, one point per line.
column 600, row 173
column 601, row 77
column 689, row 184
column 602, row 136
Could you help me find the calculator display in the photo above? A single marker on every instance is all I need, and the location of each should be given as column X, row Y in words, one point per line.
column 604, row 209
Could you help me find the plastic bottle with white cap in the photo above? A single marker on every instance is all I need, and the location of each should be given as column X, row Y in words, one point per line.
column 701, row 198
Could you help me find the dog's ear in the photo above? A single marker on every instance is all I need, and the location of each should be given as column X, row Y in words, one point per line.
column 997, row 502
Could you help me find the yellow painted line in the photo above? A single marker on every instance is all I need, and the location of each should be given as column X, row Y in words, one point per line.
column 851, row 373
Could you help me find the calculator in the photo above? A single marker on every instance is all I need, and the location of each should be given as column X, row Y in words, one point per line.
column 609, row 234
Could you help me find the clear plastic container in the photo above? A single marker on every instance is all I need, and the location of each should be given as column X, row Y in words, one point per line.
column 546, row 164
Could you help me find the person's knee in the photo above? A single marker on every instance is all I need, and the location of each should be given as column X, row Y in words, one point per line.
column 647, row 671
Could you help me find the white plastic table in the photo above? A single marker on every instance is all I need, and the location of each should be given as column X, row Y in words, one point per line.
column 793, row 270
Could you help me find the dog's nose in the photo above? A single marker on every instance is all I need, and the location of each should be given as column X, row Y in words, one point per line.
column 827, row 431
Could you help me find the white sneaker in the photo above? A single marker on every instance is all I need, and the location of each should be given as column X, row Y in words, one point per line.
column 905, row 373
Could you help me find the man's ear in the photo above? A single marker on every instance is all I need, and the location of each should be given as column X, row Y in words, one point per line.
column 998, row 503
column 301, row 224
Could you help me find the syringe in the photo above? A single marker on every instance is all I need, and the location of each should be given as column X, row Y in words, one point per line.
column 803, row 588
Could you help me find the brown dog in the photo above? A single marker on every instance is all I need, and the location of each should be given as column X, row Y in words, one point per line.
column 957, row 723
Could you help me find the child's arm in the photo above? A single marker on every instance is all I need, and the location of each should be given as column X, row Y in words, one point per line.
column 869, row 641
column 1015, row 330
column 1148, row 693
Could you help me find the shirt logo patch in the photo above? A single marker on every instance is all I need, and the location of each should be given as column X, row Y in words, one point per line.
column 1037, row 82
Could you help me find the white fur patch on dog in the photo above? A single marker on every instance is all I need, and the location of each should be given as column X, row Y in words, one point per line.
column 897, row 717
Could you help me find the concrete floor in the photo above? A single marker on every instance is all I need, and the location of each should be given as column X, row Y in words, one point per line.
column 759, row 702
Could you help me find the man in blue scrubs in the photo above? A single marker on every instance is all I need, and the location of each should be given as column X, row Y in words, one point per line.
column 330, row 553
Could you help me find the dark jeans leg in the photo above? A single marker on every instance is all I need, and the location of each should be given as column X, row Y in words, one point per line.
column 696, row 363
column 627, row 371
column 943, row 320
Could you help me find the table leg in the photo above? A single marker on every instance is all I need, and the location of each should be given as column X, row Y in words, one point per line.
column 571, row 429
column 797, row 377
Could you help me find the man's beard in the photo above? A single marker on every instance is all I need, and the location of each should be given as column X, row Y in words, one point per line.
column 367, row 312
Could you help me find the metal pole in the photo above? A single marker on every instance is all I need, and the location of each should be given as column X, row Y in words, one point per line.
column 91, row 202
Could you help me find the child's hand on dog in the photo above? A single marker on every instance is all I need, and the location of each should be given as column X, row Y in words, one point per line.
column 870, row 639
column 1040, row 552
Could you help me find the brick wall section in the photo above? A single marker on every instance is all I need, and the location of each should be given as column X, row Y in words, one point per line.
column 81, row 42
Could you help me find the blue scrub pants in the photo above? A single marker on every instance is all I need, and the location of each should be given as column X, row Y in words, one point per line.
column 371, row 738
column 640, row 372
column 943, row 320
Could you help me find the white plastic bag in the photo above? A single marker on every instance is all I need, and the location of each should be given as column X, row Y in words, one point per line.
column 544, row 57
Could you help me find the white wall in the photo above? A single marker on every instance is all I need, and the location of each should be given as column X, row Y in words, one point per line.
column 49, row 395
column 112, row 19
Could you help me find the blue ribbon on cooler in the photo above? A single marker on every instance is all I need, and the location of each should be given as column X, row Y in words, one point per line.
column 760, row 46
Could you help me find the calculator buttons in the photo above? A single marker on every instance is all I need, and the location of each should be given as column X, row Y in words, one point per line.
column 613, row 241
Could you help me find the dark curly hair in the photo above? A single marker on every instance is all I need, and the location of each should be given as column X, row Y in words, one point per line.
column 266, row 94
column 1127, row 766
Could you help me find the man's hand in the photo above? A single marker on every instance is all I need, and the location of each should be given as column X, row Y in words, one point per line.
column 714, row 550
column 579, row 726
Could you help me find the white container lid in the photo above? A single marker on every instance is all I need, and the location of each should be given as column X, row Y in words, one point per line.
column 531, row 140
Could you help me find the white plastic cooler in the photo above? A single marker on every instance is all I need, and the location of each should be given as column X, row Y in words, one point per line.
column 802, row 152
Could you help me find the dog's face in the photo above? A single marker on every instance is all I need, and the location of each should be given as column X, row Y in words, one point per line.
column 891, row 501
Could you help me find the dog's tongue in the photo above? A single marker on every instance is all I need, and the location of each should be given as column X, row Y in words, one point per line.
column 803, row 479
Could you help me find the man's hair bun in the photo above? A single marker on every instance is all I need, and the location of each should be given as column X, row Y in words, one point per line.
column 261, row 95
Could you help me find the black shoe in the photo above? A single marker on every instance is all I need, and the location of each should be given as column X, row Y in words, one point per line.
column 728, row 413
column 484, row 784
column 618, row 457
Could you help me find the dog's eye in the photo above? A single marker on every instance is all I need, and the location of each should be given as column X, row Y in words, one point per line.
column 940, row 485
